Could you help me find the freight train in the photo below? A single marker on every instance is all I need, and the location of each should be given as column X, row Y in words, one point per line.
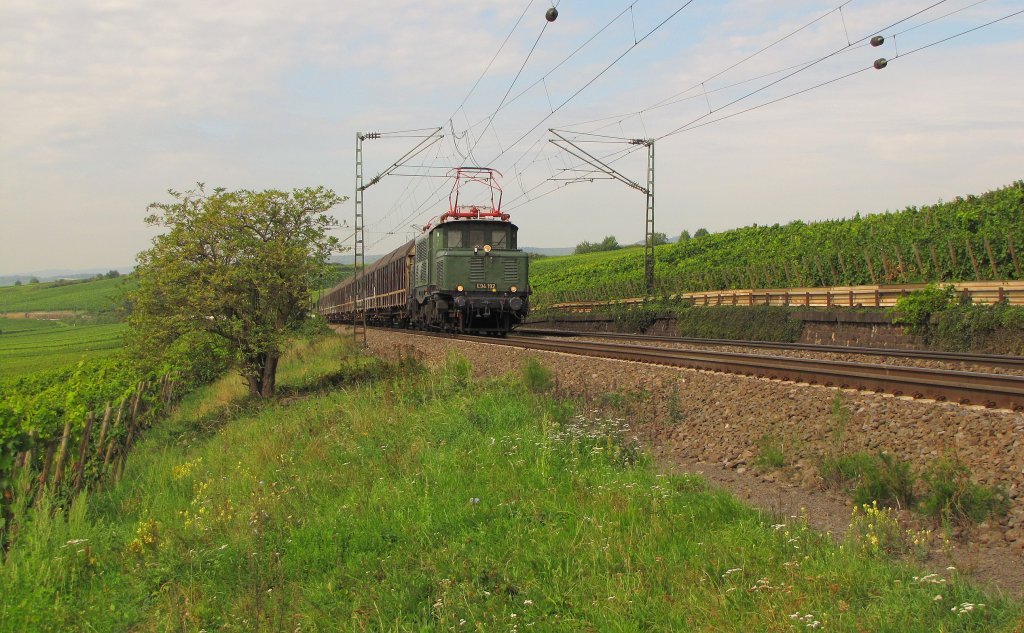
column 463, row 273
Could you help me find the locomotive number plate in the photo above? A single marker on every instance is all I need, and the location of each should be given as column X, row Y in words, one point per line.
column 486, row 286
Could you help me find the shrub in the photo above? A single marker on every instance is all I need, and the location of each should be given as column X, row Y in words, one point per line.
column 634, row 319
column 996, row 328
column 753, row 323
column 871, row 477
column 771, row 452
column 915, row 310
column 536, row 376
column 951, row 495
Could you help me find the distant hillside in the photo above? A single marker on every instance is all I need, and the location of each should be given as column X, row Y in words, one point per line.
column 550, row 252
column 977, row 237
column 55, row 274
column 95, row 296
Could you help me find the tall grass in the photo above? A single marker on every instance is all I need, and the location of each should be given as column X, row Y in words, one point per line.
column 381, row 496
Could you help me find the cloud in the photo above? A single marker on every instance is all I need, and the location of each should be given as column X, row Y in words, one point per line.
column 108, row 103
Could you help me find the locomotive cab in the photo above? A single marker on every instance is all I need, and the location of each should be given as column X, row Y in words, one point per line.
column 469, row 272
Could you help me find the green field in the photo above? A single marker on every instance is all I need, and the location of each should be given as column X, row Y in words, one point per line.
column 93, row 296
column 29, row 345
column 382, row 497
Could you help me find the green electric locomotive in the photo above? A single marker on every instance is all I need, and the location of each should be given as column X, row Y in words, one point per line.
column 464, row 273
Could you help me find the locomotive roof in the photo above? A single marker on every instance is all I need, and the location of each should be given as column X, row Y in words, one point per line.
column 455, row 221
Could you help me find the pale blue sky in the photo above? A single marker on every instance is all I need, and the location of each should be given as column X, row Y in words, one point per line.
column 106, row 104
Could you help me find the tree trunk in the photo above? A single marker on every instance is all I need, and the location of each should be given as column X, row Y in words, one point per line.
column 262, row 379
column 269, row 382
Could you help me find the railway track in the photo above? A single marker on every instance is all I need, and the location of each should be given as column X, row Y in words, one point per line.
column 967, row 388
column 991, row 360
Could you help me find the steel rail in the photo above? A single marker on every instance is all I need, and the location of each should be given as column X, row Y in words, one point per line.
column 962, row 387
column 994, row 360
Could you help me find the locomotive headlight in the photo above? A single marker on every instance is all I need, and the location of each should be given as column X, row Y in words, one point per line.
column 460, row 287
column 487, row 248
column 514, row 289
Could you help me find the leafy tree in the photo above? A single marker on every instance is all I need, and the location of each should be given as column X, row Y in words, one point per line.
column 701, row 232
column 112, row 274
column 17, row 282
column 685, row 236
column 33, row 280
column 609, row 243
column 584, row 247
column 659, row 238
column 235, row 264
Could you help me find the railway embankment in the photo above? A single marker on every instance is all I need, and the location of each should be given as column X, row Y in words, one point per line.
column 722, row 422
column 852, row 328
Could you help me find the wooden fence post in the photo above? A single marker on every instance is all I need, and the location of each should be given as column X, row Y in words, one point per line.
column 991, row 259
column 104, row 428
column 62, row 454
column 889, row 273
column 974, row 260
column 871, row 268
column 83, row 452
column 1013, row 252
column 113, row 440
column 903, row 269
column 935, row 262
column 33, row 441
column 920, row 264
column 44, row 474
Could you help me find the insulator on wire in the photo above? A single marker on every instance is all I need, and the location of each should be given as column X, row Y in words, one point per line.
column 551, row 15
column 881, row 63
column 877, row 40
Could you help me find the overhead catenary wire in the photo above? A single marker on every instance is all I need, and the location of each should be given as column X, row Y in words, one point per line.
column 525, row 159
column 433, row 198
column 798, row 92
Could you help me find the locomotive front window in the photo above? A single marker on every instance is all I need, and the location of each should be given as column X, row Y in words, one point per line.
column 476, row 238
column 499, row 238
column 454, row 238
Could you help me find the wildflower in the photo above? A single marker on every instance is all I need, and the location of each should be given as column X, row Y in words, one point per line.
column 937, row 598
column 527, row 602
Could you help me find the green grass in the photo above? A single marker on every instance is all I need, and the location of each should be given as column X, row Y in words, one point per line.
column 29, row 345
column 384, row 497
column 95, row 296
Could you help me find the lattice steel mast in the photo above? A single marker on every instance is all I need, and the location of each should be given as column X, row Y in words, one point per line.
column 359, row 248
column 603, row 167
